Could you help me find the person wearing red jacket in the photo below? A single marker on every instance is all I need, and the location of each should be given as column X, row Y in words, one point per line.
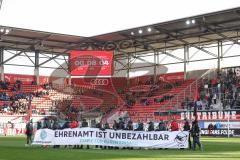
column 174, row 125
column 74, row 124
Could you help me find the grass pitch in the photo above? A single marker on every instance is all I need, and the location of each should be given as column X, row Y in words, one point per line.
column 12, row 148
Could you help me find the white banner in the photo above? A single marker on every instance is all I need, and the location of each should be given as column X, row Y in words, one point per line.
column 120, row 138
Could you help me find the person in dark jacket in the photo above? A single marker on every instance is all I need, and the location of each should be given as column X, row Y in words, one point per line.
column 161, row 126
column 121, row 124
column 195, row 131
column 65, row 126
column 56, row 126
column 115, row 125
column 118, row 126
column 106, row 126
column 186, row 127
column 150, row 126
column 140, row 126
column 99, row 126
column 210, row 128
column 46, row 123
column 29, row 132
column 129, row 127
column 39, row 125
column 84, row 124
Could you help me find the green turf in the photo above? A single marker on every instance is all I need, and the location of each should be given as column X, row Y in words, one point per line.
column 12, row 148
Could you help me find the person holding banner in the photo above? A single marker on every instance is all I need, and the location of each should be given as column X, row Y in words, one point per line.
column 106, row 126
column 29, row 132
column 121, row 124
column 195, row 131
column 187, row 127
column 56, row 126
column 74, row 124
column 115, row 125
column 150, row 126
column 84, row 124
column 140, row 126
column 174, row 125
column 65, row 126
column 99, row 126
column 161, row 126
column 129, row 127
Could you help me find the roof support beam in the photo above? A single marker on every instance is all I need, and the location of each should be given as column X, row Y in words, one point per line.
column 136, row 57
column 142, row 43
column 194, row 54
column 155, row 50
column 228, row 49
column 173, row 56
column 58, row 64
column 49, row 60
column 222, row 35
column 185, row 42
column 11, row 58
column 28, row 57
column 119, row 62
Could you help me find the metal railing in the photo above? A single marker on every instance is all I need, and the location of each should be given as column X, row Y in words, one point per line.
column 188, row 92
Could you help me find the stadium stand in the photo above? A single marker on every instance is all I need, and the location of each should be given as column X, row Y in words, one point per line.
column 140, row 101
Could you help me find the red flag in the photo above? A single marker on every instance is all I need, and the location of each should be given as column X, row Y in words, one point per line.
column 196, row 95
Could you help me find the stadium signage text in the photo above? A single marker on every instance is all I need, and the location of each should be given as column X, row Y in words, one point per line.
column 91, row 63
column 211, row 115
column 112, row 135
column 122, row 138
column 221, row 132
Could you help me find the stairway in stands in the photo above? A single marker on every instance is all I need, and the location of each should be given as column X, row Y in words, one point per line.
column 146, row 112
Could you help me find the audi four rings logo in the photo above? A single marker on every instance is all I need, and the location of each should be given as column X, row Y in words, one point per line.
column 100, row 82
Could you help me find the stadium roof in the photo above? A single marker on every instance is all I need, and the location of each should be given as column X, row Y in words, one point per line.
column 192, row 31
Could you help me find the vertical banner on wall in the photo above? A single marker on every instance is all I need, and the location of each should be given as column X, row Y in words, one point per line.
column 91, row 63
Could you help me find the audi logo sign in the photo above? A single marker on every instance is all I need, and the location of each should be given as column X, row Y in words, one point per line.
column 99, row 82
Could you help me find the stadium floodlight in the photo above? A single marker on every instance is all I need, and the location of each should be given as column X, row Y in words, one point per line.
column 149, row 29
column 7, row 31
column 193, row 21
column 188, row 22
column 132, row 33
column 140, row 31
